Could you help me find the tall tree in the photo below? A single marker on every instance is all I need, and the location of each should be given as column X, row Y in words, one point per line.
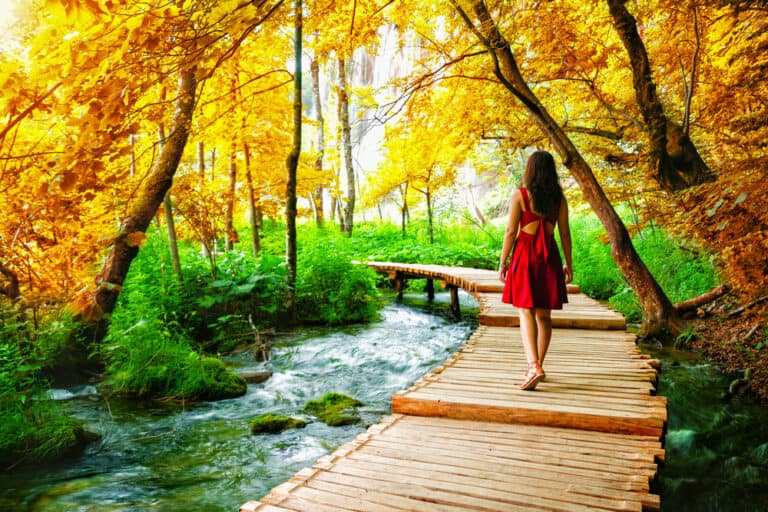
column 317, row 100
column 293, row 163
column 659, row 315
column 253, row 209
column 675, row 161
column 346, row 146
column 230, row 235
column 140, row 213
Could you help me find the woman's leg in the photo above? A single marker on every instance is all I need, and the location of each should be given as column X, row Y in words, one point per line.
column 543, row 332
column 528, row 334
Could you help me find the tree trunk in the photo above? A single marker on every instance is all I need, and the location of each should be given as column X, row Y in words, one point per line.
column 430, row 215
column 675, row 161
column 404, row 208
column 293, row 164
column 252, row 208
column 346, row 147
column 318, row 194
column 205, row 242
column 173, row 245
column 170, row 225
column 11, row 287
column 229, row 219
column 659, row 315
column 140, row 212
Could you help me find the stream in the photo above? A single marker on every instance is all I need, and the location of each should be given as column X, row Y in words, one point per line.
column 202, row 456
column 155, row 456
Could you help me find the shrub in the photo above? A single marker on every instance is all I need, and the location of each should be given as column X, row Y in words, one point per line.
column 33, row 428
column 331, row 289
column 154, row 359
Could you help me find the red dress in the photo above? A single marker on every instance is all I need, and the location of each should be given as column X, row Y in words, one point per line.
column 535, row 278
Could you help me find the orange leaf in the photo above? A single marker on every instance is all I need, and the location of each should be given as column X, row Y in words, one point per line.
column 136, row 239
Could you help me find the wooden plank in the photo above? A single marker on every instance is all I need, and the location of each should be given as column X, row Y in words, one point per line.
column 472, row 497
column 554, row 416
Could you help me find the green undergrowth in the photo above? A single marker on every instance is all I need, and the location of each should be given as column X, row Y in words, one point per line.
column 681, row 269
column 151, row 359
column 33, row 428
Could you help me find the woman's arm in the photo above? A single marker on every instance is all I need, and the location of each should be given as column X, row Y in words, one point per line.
column 515, row 212
column 565, row 239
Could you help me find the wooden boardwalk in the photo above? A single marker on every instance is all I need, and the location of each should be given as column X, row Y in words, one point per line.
column 464, row 438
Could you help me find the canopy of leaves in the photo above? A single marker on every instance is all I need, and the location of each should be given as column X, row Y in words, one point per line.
column 87, row 94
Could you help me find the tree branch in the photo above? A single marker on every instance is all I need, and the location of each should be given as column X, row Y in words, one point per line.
column 694, row 70
column 691, row 304
column 13, row 122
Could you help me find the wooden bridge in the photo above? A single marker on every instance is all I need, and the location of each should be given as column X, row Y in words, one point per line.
column 464, row 438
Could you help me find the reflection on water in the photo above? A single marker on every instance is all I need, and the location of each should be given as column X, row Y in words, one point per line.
column 716, row 452
column 202, row 457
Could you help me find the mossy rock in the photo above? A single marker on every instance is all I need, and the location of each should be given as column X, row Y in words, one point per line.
column 275, row 423
column 56, row 438
column 335, row 409
column 217, row 381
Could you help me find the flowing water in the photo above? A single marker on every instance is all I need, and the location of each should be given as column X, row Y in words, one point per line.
column 202, row 457
column 716, row 450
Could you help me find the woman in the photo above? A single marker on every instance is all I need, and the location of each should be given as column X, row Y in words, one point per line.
column 535, row 280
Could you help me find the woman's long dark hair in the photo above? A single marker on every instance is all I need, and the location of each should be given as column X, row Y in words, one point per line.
column 542, row 183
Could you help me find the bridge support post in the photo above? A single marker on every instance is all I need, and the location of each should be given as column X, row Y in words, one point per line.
column 431, row 289
column 455, row 309
column 399, row 286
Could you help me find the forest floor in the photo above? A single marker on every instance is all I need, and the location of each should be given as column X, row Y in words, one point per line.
column 736, row 340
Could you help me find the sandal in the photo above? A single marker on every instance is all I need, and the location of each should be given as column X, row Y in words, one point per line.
column 533, row 376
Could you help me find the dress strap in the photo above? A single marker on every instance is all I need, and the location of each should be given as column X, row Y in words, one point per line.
column 526, row 205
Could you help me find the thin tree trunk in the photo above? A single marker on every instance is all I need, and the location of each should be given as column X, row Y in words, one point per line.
column 170, row 225
column 140, row 212
column 404, row 208
column 346, row 147
column 205, row 242
column 430, row 215
column 173, row 245
column 318, row 194
column 293, row 164
column 659, row 315
column 213, row 164
column 252, row 208
column 229, row 220
column 675, row 161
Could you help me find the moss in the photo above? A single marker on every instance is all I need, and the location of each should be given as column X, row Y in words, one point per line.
column 274, row 423
column 335, row 409
column 219, row 382
column 45, row 437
